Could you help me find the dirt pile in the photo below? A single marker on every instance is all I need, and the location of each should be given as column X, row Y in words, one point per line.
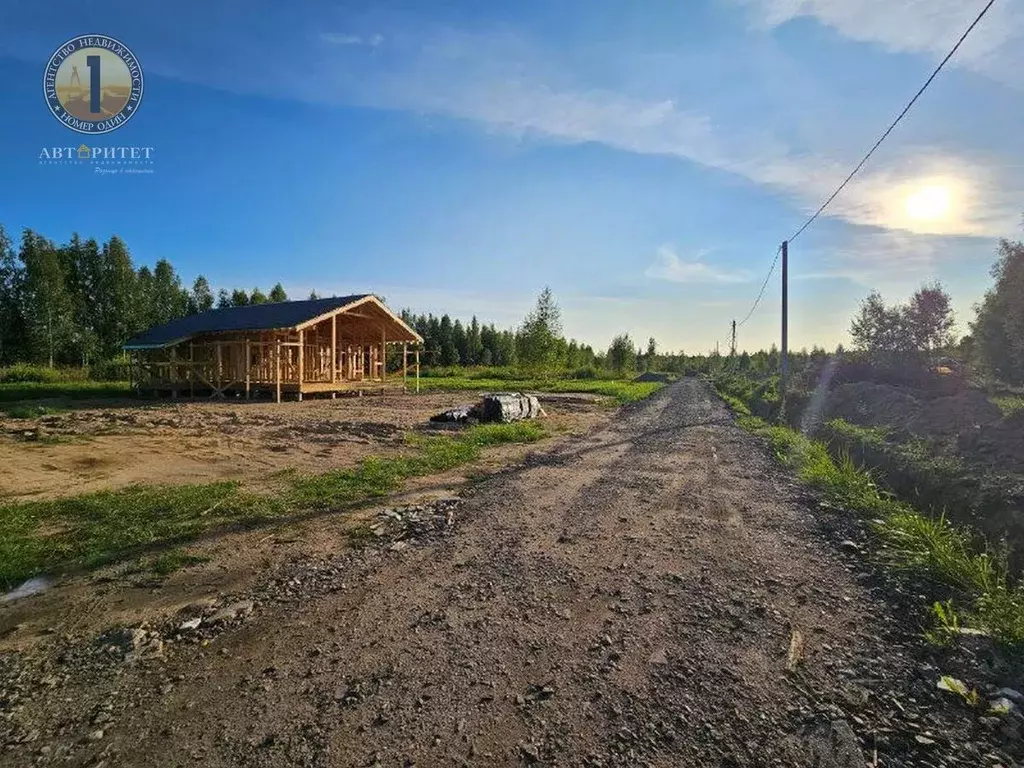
column 872, row 405
column 902, row 408
column 1000, row 444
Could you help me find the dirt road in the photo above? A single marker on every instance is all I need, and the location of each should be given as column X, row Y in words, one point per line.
column 654, row 593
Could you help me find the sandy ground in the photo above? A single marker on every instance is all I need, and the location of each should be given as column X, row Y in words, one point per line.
column 97, row 448
column 653, row 593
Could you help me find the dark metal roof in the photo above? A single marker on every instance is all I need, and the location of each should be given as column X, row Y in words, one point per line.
column 252, row 317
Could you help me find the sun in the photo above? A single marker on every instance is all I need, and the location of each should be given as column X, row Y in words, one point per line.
column 931, row 203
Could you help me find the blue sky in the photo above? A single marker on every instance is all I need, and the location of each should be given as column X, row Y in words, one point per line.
column 644, row 159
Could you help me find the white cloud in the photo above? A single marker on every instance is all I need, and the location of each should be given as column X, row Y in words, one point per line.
column 918, row 26
column 470, row 79
column 668, row 266
column 502, row 83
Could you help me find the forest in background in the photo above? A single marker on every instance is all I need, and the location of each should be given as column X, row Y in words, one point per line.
column 75, row 305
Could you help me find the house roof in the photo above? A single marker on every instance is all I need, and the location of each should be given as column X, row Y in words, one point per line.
column 253, row 317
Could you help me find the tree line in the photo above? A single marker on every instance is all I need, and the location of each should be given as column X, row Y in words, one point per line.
column 79, row 302
column 921, row 330
column 537, row 343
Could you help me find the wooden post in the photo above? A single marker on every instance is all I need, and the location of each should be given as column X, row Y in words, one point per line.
column 302, row 358
column 334, row 349
column 417, row 370
column 277, row 369
column 220, row 366
column 405, row 366
column 174, row 372
column 191, row 370
column 248, row 366
column 383, row 354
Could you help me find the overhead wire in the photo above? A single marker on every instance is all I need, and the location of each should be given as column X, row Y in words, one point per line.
column 870, row 152
column 764, row 286
column 894, row 123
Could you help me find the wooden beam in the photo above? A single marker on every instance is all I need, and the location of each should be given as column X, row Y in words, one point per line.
column 334, row 349
column 405, row 366
column 173, row 373
column 191, row 369
column 277, row 370
column 417, row 370
column 302, row 358
column 248, row 368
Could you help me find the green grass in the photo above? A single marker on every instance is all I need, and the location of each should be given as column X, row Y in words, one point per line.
column 932, row 546
column 29, row 410
column 174, row 560
column 97, row 528
column 621, row 390
column 72, row 390
column 1009, row 405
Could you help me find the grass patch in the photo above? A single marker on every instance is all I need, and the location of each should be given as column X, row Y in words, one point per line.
column 174, row 560
column 621, row 390
column 29, row 410
column 930, row 545
column 1009, row 405
column 97, row 528
column 12, row 391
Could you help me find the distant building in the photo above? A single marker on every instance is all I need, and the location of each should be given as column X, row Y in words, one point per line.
column 289, row 347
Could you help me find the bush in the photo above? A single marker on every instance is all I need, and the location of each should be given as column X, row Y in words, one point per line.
column 110, row 370
column 587, row 372
column 23, row 372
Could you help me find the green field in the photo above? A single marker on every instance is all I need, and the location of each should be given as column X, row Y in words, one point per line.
column 96, row 528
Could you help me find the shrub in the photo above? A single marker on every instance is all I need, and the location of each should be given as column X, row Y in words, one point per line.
column 23, row 373
column 110, row 370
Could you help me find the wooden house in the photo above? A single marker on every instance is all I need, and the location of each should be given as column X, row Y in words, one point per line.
column 289, row 347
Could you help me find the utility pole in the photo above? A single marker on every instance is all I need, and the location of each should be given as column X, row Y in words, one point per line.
column 785, row 314
column 732, row 344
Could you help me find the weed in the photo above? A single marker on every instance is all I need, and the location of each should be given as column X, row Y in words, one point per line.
column 174, row 560
column 969, row 696
column 947, row 624
column 28, row 410
column 1009, row 405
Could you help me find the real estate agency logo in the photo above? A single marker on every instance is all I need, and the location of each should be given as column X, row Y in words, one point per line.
column 93, row 84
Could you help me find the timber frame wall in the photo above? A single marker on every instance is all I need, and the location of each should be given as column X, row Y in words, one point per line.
column 340, row 352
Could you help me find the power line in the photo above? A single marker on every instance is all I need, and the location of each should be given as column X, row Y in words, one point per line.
column 760, row 294
column 866, row 157
column 895, row 122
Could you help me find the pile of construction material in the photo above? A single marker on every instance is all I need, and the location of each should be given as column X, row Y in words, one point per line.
column 497, row 407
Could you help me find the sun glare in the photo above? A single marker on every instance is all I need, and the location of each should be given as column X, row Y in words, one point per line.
column 930, row 203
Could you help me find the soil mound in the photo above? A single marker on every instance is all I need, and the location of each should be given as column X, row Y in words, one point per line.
column 1000, row 444
column 968, row 410
column 884, row 405
column 651, row 376
column 872, row 405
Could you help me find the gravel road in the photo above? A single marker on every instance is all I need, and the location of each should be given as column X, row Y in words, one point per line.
column 655, row 593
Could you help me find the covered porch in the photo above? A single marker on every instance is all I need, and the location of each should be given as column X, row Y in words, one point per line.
column 341, row 350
